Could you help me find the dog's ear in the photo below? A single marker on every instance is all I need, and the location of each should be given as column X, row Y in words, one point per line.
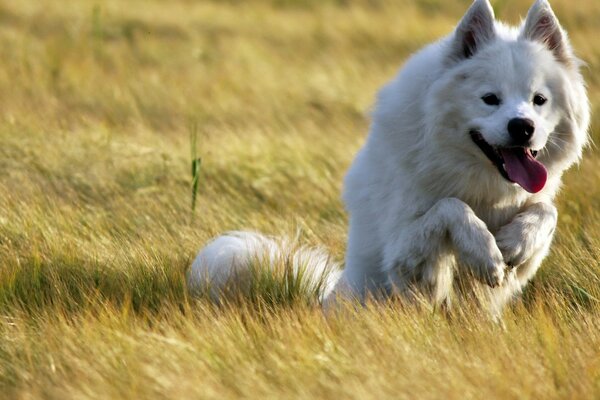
column 542, row 26
column 474, row 30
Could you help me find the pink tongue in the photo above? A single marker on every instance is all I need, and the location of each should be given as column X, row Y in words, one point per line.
column 525, row 170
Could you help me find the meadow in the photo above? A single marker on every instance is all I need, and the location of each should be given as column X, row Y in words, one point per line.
column 103, row 106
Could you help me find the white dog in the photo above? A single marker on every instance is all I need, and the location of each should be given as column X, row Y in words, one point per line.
column 453, row 191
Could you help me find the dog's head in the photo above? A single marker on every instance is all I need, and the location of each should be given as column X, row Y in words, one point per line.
column 514, row 95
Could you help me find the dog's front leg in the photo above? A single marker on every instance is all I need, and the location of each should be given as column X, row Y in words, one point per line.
column 524, row 243
column 418, row 247
column 528, row 234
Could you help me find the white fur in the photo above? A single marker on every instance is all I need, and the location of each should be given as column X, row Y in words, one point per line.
column 230, row 256
column 427, row 208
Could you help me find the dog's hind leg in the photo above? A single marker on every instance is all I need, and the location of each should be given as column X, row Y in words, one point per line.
column 362, row 275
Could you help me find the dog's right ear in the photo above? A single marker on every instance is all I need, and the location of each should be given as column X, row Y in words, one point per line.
column 474, row 30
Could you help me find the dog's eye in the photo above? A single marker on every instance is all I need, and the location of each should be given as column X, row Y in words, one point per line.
column 491, row 99
column 539, row 100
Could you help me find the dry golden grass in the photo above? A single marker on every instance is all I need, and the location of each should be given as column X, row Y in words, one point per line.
column 98, row 101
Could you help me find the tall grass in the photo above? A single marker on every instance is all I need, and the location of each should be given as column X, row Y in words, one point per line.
column 196, row 163
column 95, row 227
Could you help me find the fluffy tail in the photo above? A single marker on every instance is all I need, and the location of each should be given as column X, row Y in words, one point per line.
column 230, row 262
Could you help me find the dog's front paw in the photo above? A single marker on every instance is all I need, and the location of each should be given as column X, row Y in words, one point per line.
column 515, row 247
column 487, row 261
column 492, row 271
column 496, row 276
column 526, row 234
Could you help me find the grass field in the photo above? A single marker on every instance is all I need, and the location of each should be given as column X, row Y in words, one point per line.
column 99, row 101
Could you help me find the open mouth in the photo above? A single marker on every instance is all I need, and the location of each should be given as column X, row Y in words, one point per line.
column 515, row 164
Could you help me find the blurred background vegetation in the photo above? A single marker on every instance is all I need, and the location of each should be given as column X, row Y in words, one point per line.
column 98, row 100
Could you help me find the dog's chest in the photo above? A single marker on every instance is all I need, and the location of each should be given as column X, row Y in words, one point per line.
column 496, row 216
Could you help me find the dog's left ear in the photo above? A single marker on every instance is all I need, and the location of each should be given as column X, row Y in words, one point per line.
column 542, row 26
column 474, row 30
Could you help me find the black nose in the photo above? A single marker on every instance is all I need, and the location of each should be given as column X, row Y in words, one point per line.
column 521, row 130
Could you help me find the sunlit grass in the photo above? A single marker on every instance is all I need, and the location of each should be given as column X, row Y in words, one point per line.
column 97, row 227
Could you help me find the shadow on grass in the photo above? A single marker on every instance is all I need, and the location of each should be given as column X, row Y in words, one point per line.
column 72, row 284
